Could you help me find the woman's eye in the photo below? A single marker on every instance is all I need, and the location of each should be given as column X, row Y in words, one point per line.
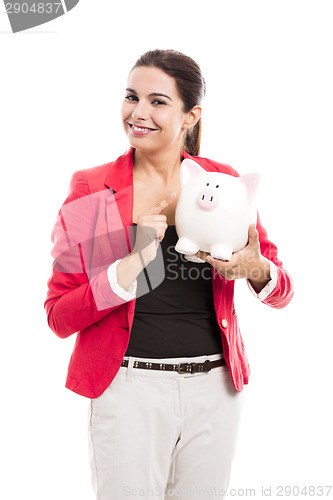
column 134, row 98
column 158, row 102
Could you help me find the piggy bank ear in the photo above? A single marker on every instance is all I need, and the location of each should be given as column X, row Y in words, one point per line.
column 251, row 182
column 188, row 169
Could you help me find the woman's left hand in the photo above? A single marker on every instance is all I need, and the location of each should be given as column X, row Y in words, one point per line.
column 247, row 263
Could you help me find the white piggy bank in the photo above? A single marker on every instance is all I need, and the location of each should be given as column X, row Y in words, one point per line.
column 214, row 211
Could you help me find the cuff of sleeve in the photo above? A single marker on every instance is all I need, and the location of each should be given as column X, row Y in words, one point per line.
column 263, row 294
column 126, row 295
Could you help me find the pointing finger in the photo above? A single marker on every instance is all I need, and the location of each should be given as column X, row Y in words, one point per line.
column 159, row 207
column 253, row 234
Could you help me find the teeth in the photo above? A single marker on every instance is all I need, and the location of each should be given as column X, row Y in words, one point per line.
column 140, row 129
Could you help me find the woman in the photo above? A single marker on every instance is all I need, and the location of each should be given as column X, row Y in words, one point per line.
column 158, row 350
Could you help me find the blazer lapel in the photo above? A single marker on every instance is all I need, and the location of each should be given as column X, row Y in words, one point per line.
column 119, row 205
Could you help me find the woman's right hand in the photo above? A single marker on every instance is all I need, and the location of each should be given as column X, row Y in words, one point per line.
column 150, row 230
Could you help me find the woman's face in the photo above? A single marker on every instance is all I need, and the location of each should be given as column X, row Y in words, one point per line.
column 152, row 111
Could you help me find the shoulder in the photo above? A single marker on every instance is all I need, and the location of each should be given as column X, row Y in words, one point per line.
column 114, row 174
column 90, row 180
column 87, row 181
column 216, row 166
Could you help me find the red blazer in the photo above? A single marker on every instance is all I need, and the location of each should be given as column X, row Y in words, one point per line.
column 93, row 229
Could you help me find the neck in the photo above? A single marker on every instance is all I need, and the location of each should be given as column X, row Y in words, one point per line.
column 159, row 166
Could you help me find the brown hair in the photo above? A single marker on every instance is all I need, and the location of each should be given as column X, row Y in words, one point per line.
column 190, row 85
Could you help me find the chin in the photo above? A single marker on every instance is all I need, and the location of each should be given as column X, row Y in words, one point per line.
column 142, row 145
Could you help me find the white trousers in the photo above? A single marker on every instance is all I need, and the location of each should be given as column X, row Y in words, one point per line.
column 161, row 435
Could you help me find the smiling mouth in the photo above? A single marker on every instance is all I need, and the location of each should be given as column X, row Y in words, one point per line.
column 141, row 129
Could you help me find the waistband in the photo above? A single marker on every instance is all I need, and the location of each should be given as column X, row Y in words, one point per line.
column 134, row 361
column 191, row 359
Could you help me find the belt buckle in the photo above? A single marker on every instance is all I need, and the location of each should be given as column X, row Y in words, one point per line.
column 194, row 367
column 185, row 367
column 201, row 367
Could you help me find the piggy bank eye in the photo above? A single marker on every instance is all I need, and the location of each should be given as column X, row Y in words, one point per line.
column 217, row 186
column 207, row 184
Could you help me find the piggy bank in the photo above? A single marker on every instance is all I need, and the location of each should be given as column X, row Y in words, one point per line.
column 213, row 212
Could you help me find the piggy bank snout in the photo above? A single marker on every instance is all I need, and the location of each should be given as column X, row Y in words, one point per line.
column 207, row 199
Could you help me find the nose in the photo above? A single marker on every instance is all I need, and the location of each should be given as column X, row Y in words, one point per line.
column 140, row 111
column 207, row 199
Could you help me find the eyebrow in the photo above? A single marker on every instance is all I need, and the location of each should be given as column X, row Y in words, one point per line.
column 153, row 94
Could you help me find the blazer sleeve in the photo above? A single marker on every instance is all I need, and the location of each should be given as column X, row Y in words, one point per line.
column 283, row 291
column 77, row 297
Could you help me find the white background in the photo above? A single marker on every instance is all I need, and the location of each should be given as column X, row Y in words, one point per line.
column 268, row 108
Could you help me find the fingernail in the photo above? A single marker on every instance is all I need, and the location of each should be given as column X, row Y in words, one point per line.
column 172, row 195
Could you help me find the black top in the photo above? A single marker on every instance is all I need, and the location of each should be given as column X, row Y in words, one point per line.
column 177, row 318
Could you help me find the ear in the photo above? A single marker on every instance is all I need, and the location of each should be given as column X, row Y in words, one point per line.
column 192, row 117
column 188, row 169
column 251, row 182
